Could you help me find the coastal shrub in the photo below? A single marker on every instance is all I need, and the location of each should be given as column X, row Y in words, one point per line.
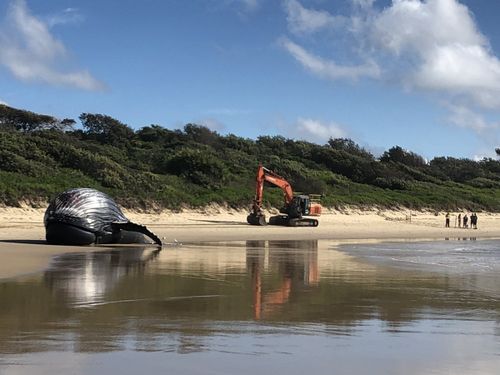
column 458, row 170
column 291, row 170
column 11, row 162
column 391, row 183
column 200, row 167
column 397, row 154
column 106, row 129
column 27, row 121
column 238, row 162
column 155, row 166
column 244, row 145
column 348, row 145
column 271, row 145
column 201, row 134
column 484, row 183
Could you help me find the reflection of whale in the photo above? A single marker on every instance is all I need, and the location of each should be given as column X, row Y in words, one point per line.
column 185, row 295
column 84, row 216
column 85, row 278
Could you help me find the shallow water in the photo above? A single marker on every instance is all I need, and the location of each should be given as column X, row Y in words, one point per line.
column 262, row 307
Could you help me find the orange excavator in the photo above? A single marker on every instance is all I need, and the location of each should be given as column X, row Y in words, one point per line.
column 294, row 208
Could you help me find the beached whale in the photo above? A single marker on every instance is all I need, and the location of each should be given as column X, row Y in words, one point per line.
column 85, row 216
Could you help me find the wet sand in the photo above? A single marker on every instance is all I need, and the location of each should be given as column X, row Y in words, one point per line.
column 23, row 250
column 266, row 307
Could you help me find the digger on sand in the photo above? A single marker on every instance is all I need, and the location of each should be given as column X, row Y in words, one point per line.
column 295, row 206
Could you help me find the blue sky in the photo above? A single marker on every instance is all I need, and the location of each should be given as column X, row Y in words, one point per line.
column 424, row 75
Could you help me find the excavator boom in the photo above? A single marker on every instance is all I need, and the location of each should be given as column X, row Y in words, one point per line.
column 264, row 174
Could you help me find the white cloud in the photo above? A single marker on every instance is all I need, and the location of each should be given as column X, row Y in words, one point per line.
column 2, row 102
column 302, row 20
column 67, row 16
column 317, row 131
column 465, row 117
column 459, row 68
column 417, row 26
column 448, row 52
column 431, row 46
column 327, row 68
column 31, row 53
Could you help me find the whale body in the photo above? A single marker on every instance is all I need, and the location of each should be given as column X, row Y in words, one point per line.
column 85, row 216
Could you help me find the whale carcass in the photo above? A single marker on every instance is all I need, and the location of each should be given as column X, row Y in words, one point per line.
column 85, row 216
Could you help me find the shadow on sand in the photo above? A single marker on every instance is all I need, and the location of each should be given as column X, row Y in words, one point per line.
column 224, row 222
column 27, row 242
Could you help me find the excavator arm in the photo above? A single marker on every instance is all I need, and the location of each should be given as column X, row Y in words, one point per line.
column 264, row 174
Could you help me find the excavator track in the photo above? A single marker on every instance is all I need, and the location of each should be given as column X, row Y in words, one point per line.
column 287, row 222
column 303, row 223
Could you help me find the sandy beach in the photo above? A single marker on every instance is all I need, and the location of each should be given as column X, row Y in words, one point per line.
column 23, row 249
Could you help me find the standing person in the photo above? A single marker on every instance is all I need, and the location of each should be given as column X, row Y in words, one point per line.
column 473, row 220
column 447, row 222
column 466, row 221
column 459, row 220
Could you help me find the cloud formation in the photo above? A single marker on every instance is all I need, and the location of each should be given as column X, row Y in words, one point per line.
column 448, row 52
column 31, row 53
column 465, row 118
column 430, row 46
column 303, row 20
column 67, row 16
column 327, row 68
column 317, row 131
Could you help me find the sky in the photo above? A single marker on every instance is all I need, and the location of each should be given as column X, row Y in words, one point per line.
column 420, row 74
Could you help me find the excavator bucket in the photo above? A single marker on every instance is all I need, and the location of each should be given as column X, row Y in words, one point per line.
column 254, row 219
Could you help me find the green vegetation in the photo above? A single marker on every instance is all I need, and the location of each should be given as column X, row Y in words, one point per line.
column 41, row 156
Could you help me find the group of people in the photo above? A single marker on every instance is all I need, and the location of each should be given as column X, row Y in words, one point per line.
column 463, row 222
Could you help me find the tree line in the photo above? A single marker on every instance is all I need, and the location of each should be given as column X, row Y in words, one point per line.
column 153, row 166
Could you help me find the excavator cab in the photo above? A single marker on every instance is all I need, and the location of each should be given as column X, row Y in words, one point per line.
column 299, row 206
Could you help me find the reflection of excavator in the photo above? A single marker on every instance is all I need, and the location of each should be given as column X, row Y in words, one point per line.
column 298, row 269
column 293, row 210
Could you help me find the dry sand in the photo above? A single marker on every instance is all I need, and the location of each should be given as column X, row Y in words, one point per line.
column 23, row 251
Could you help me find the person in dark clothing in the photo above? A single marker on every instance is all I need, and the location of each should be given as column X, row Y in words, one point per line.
column 466, row 221
column 447, row 222
column 473, row 221
column 459, row 220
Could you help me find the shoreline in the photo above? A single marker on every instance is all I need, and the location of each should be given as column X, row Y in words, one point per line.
column 23, row 250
